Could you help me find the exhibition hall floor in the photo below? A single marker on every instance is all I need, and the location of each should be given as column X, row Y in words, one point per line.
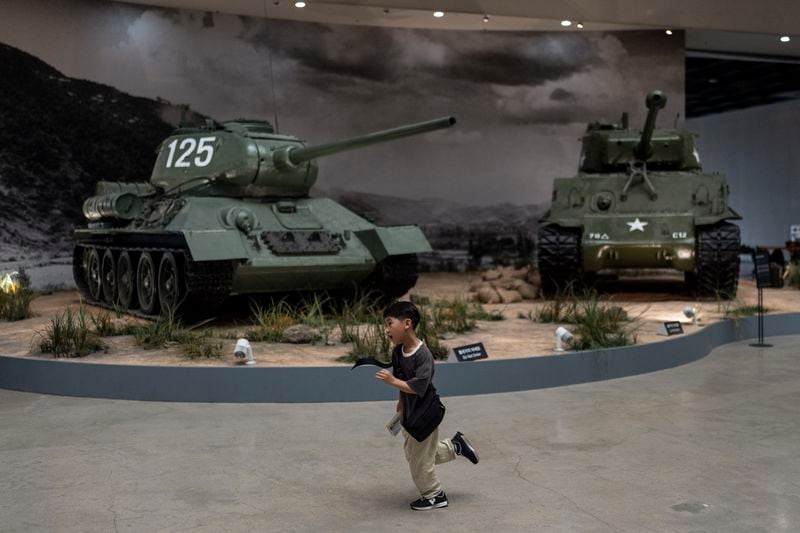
column 708, row 446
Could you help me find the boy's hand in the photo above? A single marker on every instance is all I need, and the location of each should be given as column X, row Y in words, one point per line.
column 385, row 376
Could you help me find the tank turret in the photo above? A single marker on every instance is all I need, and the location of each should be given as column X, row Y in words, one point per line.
column 247, row 159
column 610, row 147
column 237, row 159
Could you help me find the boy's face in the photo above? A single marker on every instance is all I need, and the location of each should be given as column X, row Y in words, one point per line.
column 396, row 328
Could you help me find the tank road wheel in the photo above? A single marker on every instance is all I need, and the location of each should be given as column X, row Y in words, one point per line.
column 560, row 266
column 169, row 283
column 125, row 280
column 108, row 277
column 716, row 271
column 93, row 278
column 146, row 285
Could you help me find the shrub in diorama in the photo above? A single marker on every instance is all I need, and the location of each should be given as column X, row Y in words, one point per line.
column 168, row 330
column 16, row 295
column 560, row 308
column 451, row 316
column 428, row 330
column 271, row 321
column 478, row 312
column 200, row 346
column 371, row 340
column 368, row 340
column 599, row 324
column 69, row 334
column 743, row 310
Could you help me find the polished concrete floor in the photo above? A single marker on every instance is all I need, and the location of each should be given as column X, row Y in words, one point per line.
column 710, row 446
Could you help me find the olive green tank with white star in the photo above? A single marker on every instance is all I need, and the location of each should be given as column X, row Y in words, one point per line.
column 641, row 200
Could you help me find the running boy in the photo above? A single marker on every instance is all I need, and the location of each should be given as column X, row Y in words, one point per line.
column 412, row 374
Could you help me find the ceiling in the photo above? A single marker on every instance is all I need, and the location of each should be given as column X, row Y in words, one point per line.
column 735, row 58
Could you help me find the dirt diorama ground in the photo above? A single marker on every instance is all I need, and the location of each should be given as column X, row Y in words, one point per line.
column 648, row 301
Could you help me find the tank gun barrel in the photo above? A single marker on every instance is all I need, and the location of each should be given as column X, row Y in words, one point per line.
column 656, row 101
column 292, row 156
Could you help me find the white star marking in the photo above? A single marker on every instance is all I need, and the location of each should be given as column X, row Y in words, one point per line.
column 637, row 225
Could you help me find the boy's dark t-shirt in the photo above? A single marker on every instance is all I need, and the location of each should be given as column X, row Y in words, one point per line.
column 416, row 370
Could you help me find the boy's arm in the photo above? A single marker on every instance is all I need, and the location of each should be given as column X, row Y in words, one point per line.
column 389, row 379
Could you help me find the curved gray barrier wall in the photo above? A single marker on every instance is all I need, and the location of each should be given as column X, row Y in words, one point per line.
column 340, row 384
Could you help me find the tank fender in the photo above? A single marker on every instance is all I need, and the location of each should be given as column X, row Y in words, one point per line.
column 396, row 240
column 215, row 244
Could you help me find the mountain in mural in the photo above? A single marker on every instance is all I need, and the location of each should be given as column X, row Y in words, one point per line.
column 59, row 136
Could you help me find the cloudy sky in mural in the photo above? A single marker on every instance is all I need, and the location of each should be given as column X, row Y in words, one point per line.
column 521, row 99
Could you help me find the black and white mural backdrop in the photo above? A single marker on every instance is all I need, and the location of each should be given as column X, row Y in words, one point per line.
column 89, row 88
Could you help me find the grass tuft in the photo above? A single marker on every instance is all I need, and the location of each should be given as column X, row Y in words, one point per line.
column 200, row 345
column 600, row 324
column 478, row 312
column 368, row 341
column 271, row 321
column 68, row 335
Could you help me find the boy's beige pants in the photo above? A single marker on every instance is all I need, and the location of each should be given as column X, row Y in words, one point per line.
column 422, row 458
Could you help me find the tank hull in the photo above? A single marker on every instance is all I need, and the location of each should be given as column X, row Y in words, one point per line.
column 590, row 228
column 638, row 241
column 255, row 247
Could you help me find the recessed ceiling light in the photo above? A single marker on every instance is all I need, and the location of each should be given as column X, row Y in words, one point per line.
column 486, row 18
column 566, row 23
column 438, row 14
column 785, row 39
column 579, row 25
column 299, row 4
column 668, row 32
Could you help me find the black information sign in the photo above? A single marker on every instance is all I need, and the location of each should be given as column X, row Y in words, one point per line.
column 763, row 279
column 761, row 262
column 670, row 328
column 470, row 352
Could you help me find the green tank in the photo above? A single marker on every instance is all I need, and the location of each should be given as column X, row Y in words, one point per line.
column 227, row 211
column 641, row 200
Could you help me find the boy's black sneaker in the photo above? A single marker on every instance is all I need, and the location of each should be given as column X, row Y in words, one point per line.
column 426, row 504
column 464, row 448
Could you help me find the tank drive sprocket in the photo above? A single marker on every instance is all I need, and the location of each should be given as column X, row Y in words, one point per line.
column 559, row 259
column 717, row 261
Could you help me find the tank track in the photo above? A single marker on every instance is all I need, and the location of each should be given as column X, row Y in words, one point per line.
column 206, row 284
column 716, row 271
column 560, row 262
column 394, row 276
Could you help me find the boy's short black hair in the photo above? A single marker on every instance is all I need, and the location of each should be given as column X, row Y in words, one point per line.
column 401, row 311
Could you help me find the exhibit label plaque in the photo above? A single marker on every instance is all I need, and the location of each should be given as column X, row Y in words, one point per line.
column 470, row 352
column 670, row 328
column 761, row 263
